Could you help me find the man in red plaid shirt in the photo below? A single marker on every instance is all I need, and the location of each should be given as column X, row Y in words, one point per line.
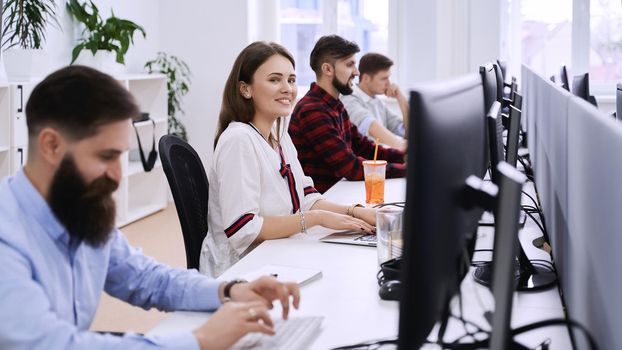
column 329, row 146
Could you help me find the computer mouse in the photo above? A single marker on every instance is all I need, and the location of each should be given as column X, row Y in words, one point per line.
column 390, row 290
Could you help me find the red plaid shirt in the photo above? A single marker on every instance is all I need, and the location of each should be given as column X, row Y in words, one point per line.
column 329, row 146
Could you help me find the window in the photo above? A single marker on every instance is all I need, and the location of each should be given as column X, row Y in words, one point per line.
column 301, row 26
column 366, row 22
column 549, row 34
column 303, row 22
column 546, row 34
column 606, row 41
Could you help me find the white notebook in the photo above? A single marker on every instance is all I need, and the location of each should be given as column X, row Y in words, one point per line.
column 300, row 275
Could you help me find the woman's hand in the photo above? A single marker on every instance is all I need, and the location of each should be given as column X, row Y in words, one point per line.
column 366, row 214
column 340, row 222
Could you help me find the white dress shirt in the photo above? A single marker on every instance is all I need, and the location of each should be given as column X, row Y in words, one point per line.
column 246, row 184
column 364, row 109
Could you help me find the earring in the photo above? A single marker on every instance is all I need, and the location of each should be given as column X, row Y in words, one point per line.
column 247, row 95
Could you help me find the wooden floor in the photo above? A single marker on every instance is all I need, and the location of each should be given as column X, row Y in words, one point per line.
column 159, row 236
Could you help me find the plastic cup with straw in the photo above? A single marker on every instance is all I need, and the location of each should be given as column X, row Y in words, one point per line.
column 374, row 171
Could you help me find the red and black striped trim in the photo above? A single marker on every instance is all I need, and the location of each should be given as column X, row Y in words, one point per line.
column 286, row 172
column 238, row 224
column 309, row 190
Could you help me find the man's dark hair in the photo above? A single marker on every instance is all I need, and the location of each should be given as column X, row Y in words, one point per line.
column 77, row 100
column 329, row 49
column 372, row 63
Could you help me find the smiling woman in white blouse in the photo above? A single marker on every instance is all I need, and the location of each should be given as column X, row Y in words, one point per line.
column 258, row 190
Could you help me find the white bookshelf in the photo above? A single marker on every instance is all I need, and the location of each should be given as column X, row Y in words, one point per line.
column 140, row 193
column 5, row 130
column 144, row 193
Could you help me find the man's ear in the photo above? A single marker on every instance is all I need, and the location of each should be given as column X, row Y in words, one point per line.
column 364, row 78
column 51, row 146
column 327, row 69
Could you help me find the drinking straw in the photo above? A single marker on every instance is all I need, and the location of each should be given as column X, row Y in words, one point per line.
column 376, row 151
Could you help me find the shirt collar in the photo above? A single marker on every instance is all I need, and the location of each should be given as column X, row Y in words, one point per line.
column 325, row 96
column 361, row 94
column 33, row 204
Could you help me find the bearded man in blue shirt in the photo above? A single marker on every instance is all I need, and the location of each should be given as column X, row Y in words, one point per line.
column 59, row 248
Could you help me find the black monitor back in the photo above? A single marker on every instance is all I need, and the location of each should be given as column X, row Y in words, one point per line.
column 447, row 144
column 506, row 244
column 495, row 139
column 503, row 68
column 581, row 86
column 511, row 154
column 563, row 76
column 500, row 75
column 619, row 102
column 489, row 82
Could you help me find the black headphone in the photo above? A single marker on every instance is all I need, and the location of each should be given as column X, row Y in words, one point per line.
column 389, row 270
column 153, row 154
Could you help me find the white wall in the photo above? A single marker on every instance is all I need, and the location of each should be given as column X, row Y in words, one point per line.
column 208, row 35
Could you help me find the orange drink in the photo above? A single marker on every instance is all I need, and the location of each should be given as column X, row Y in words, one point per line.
column 374, row 180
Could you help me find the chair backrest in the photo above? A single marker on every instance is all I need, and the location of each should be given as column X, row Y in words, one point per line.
column 188, row 181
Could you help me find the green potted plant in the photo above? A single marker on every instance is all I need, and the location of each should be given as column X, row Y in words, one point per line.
column 177, row 83
column 23, row 34
column 112, row 36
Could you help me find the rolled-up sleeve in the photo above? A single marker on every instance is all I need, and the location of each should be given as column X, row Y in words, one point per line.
column 395, row 123
column 237, row 167
column 358, row 112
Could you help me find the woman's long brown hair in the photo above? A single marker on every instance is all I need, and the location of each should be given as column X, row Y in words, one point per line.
column 234, row 106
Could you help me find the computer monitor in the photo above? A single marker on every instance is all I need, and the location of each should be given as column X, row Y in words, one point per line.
column 563, row 76
column 527, row 275
column 489, row 82
column 507, row 213
column 495, row 139
column 511, row 154
column 500, row 75
column 503, row 67
column 581, row 86
column 513, row 89
column 518, row 101
column 446, row 145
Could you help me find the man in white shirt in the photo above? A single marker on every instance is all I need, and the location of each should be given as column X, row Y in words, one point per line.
column 369, row 113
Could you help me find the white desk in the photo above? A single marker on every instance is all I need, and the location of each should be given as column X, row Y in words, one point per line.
column 347, row 293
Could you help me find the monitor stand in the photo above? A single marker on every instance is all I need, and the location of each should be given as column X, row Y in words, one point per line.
column 529, row 277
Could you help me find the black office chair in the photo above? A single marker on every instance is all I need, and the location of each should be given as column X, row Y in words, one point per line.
column 188, row 181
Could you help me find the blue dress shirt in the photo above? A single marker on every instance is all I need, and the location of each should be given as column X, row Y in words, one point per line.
column 50, row 287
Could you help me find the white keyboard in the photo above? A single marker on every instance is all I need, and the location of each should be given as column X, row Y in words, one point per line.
column 293, row 334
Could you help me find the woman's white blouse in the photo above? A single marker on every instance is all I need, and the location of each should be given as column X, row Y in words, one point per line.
column 247, row 182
